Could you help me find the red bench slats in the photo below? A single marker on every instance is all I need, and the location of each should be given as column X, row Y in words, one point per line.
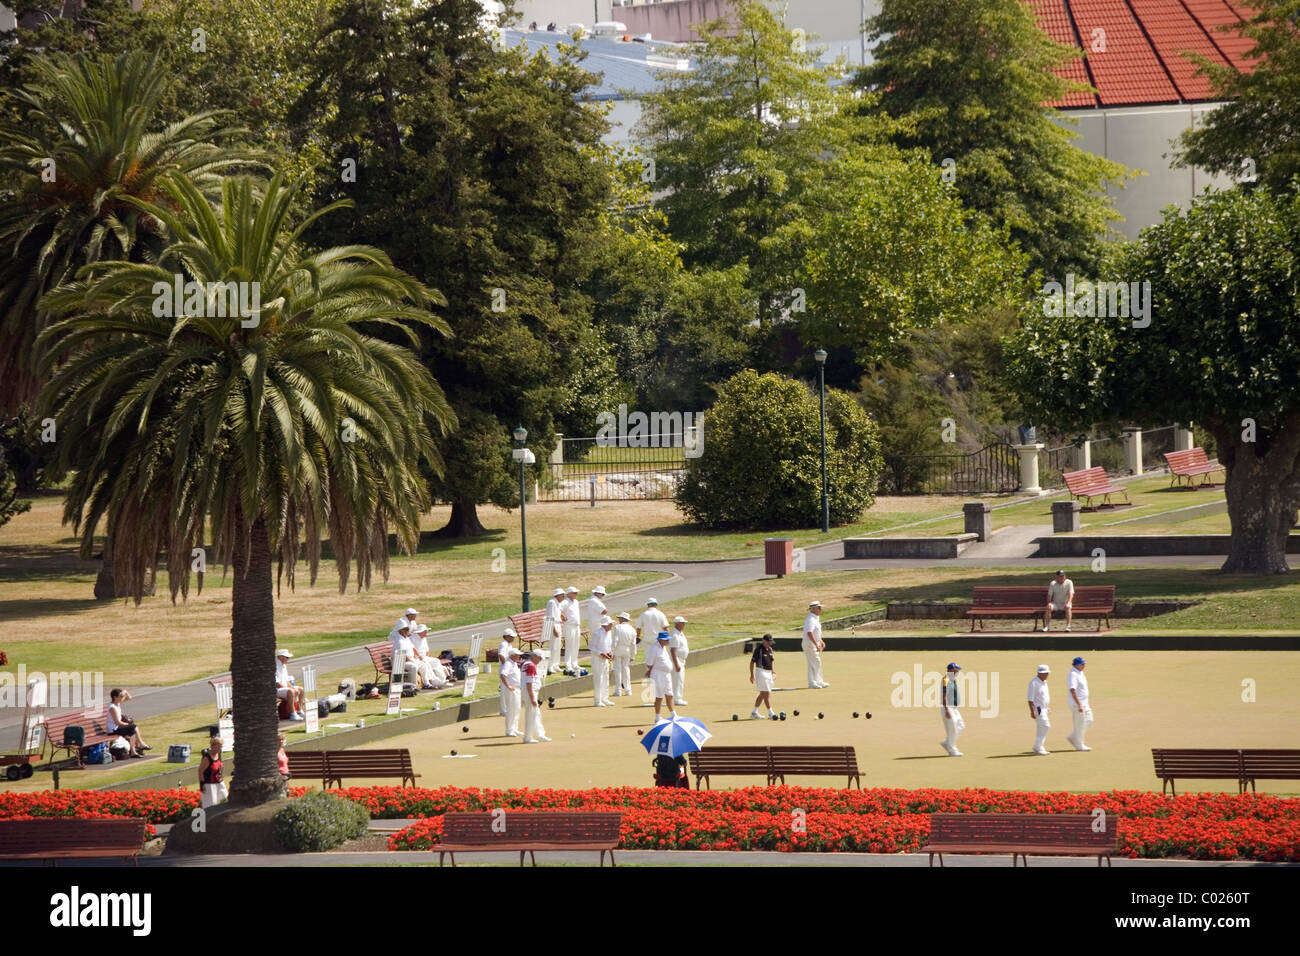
column 1044, row 834
column 1190, row 464
column 1093, row 483
column 528, row 831
column 331, row 766
column 774, row 762
column 71, row 838
column 1244, row 766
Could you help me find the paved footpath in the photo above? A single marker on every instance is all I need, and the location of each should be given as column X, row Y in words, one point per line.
column 686, row 579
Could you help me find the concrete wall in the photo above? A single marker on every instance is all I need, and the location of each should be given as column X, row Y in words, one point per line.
column 1142, row 545
column 1141, row 138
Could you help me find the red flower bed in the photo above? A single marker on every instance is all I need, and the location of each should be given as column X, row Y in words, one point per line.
column 1201, row 826
column 156, row 806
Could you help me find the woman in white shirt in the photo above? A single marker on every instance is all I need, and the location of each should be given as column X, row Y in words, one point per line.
column 124, row 727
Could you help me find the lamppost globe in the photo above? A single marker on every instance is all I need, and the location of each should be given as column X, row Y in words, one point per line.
column 521, row 434
column 820, row 356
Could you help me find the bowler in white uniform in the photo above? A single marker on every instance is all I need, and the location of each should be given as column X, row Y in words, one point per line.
column 503, row 656
column 595, row 611
column 571, row 613
column 682, row 649
column 1039, row 709
column 553, row 629
column 660, row 663
column 534, row 732
column 953, row 725
column 624, row 635
column 510, row 675
column 1077, row 685
column 650, row 623
column 601, row 644
column 813, row 645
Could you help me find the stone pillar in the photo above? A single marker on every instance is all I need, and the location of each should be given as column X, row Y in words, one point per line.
column 978, row 518
column 1065, row 517
column 1183, row 438
column 1029, row 468
column 1083, row 456
column 556, row 459
column 1133, row 449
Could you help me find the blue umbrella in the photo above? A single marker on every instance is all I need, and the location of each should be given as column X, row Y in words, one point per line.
column 674, row 736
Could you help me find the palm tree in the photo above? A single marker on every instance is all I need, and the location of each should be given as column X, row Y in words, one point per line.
column 76, row 148
column 271, row 426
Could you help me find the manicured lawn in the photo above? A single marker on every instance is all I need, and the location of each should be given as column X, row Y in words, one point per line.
column 1199, row 704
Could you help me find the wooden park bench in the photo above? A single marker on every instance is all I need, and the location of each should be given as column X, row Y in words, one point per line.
column 1089, row 601
column 70, row 838
column 223, row 691
column 1093, row 483
column 528, row 831
column 1244, row 766
column 94, row 731
column 528, row 625
column 773, row 763
column 381, row 657
column 1020, row 834
column 1192, row 464
column 331, row 766
column 816, row 762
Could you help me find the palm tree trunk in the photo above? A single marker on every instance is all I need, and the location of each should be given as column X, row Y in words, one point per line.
column 252, row 667
column 107, row 587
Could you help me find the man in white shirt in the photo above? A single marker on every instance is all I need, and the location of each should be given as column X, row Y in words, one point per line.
column 411, row 615
column 1077, row 685
column 509, row 675
column 682, row 649
column 432, row 676
column 1060, row 597
column 601, row 643
column 650, row 623
column 285, row 689
column 533, row 729
column 660, row 664
column 553, row 629
column 404, row 649
column 571, row 615
column 595, row 611
column 1039, row 699
column 813, row 645
column 503, row 657
column 624, row 636
column 953, row 725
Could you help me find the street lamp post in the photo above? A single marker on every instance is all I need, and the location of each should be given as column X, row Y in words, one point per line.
column 524, row 457
column 820, row 356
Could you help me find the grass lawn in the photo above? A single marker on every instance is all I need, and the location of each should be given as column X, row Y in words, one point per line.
column 1140, row 699
column 1231, row 601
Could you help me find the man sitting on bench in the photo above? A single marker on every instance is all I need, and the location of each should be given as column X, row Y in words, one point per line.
column 1060, row 597
column 284, row 686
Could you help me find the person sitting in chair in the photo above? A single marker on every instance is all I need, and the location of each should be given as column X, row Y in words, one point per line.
column 285, row 689
column 118, row 723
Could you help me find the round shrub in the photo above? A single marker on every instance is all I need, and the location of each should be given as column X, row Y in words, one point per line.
column 318, row 822
column 760, row 465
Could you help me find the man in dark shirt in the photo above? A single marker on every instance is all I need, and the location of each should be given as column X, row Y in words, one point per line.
column 762, row 676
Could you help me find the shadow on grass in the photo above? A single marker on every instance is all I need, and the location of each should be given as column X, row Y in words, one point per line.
column 27, row 562
column 46, row 607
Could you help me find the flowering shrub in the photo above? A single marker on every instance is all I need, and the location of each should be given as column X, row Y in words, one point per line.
column 1201, row 826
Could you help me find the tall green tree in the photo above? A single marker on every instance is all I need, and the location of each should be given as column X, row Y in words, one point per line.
column 736, row 143
column 1257, row 131
column 77, row 148
column 1222, row 348
column 966, row 80
column 478, row 168
column 256, row 431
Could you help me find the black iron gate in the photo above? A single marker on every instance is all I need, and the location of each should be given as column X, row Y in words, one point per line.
column 994, row 469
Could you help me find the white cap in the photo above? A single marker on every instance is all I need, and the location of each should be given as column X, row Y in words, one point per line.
column 515, row 652
column 649, row 601
column 680, row 620
column 411, row 612
column 509, row 632
column 403, row 624
column 570, row 590
column 557, row 592
column 282, row 653
column 624, row 616
column 606, row 621
column 1044, row 669
column 422, row 629
column 598, row 589
column 814, row 603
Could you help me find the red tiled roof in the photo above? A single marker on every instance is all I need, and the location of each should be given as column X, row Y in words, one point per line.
column 1134, row 48
column 1055, row 22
